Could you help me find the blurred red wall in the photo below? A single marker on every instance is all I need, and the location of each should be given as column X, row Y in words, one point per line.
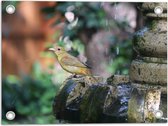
column 24, row 35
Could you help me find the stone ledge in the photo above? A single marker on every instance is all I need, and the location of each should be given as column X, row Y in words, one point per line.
column 153, row 15
column 117, row 79
column 150, row 73
column 143, row 86
column 152, row 44
column 154, row 60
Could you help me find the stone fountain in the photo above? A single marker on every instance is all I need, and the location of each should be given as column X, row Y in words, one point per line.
column 138, row 97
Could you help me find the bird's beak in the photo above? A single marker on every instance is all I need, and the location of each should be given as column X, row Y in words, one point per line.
column 51, row 49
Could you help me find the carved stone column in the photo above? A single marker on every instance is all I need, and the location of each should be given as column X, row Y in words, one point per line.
column 148, row 72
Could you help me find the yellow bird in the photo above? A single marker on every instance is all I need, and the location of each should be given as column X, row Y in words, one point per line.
column 70, row 63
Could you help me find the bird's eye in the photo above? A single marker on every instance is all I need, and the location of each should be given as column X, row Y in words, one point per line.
column 59, row 49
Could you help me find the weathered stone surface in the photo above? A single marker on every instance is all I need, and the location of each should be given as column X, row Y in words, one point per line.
column 159, row 26
column 117, row 79
column 154, row 60
column 92, row 104
column 60, row 108
column 163, row 106
column 150, row 73
column 143, row 104
column 152, row 103
column 116, row 103
column 77, row 101
column 143, row 85
column 136, row 107
column 153, row 15
column 152, row 44
column 67, row 102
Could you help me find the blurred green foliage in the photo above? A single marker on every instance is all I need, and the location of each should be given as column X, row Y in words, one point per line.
column 121, row 62
column 93, row 18
column 29, row 97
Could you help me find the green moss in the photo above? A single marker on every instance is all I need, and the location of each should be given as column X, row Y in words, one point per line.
column 92, row 104
column 152, row 24
column 150, row 117
column 132, row 111
column 61, row 97
column 135, row 104
column 136, row 40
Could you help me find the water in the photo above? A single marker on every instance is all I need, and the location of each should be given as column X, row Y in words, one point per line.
column 114, row 112
column 141, row 32
column 118, row 72
column 118, row 108
column 115, row 16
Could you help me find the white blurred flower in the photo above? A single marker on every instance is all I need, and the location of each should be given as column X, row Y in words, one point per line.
column 70, row 16
column 73, row 24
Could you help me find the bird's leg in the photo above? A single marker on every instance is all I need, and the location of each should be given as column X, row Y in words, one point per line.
column 74, row 76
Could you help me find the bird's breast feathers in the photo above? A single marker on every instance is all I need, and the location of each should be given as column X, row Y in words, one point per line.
column 73, row 65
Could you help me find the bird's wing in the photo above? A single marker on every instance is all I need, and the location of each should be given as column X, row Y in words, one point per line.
column 72, row 61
